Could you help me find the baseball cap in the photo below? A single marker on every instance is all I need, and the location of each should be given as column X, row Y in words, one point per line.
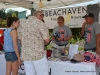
column 88, row 15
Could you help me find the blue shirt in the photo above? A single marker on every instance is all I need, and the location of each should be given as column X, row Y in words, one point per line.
column 8, row 42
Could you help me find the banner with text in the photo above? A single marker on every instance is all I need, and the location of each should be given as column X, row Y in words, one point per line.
column 72, row 15
column 21, row 70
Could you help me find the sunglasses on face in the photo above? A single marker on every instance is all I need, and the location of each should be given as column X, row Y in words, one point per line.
column 60, row 22
column 42, row 15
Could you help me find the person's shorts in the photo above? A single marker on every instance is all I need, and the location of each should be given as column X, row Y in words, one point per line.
column 11, row 56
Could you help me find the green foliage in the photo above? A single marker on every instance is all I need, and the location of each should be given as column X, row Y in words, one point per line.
column 76, row 32
column 50, row 32
column 12, row 13
column 2, row 23
column 2, row 14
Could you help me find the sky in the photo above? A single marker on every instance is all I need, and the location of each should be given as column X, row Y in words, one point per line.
column 20, row 9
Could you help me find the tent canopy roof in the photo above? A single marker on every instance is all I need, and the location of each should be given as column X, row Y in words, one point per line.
column 47, row 4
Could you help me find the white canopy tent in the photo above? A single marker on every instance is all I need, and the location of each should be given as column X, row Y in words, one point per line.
column 35, row 3
column 23, row 5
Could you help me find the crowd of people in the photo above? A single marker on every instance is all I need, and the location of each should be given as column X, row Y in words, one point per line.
column 33, row 35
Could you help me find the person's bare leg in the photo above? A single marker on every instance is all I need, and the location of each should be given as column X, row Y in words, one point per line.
column 15, row 67
column 8, row 67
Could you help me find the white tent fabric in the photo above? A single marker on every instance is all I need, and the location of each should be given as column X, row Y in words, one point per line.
column 2, row 5
column 57, row 3
column 15, row 3
column 47, row 4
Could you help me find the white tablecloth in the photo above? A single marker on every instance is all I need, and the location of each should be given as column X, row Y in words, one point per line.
column 59, row 68
column 3, row 67
column 68, row 68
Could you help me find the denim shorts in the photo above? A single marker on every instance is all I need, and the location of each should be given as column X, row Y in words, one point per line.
column 11, row 56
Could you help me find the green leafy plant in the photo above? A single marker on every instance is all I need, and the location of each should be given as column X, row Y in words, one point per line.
column 76, row 32
column 4, row 16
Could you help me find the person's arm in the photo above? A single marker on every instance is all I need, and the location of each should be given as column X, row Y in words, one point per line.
column 83, row 27
column 97, row 32
column 14, row 35
column 44, row 32
column 98, row 43
column 68, row 38
column 53, row 38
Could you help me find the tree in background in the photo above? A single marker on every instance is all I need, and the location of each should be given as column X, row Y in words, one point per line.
column 12, row 13
column 4, row 16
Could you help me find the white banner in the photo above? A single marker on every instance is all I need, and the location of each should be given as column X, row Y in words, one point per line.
column 21, row 70
column 72, row 15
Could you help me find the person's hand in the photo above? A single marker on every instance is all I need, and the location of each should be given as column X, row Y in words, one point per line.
column 84, row 24
column 98, row 51
column 53, row 38
column 60, row 39
column 1, row 44
column 19, row 61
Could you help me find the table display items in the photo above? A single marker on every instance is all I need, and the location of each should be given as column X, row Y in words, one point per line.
column 48, row 53
column 77, row 58
column 86, row 56
column 57, row 52
column 62, row 53
column 65, row 53
column 64, row 58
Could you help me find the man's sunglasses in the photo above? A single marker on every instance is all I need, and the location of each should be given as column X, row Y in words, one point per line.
column 60, row 22
column 42, row 15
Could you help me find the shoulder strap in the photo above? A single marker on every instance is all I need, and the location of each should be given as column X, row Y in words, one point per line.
column 12, row 29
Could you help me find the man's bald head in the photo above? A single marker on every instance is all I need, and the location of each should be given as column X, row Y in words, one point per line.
column 36, row 13
column 39, row 15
